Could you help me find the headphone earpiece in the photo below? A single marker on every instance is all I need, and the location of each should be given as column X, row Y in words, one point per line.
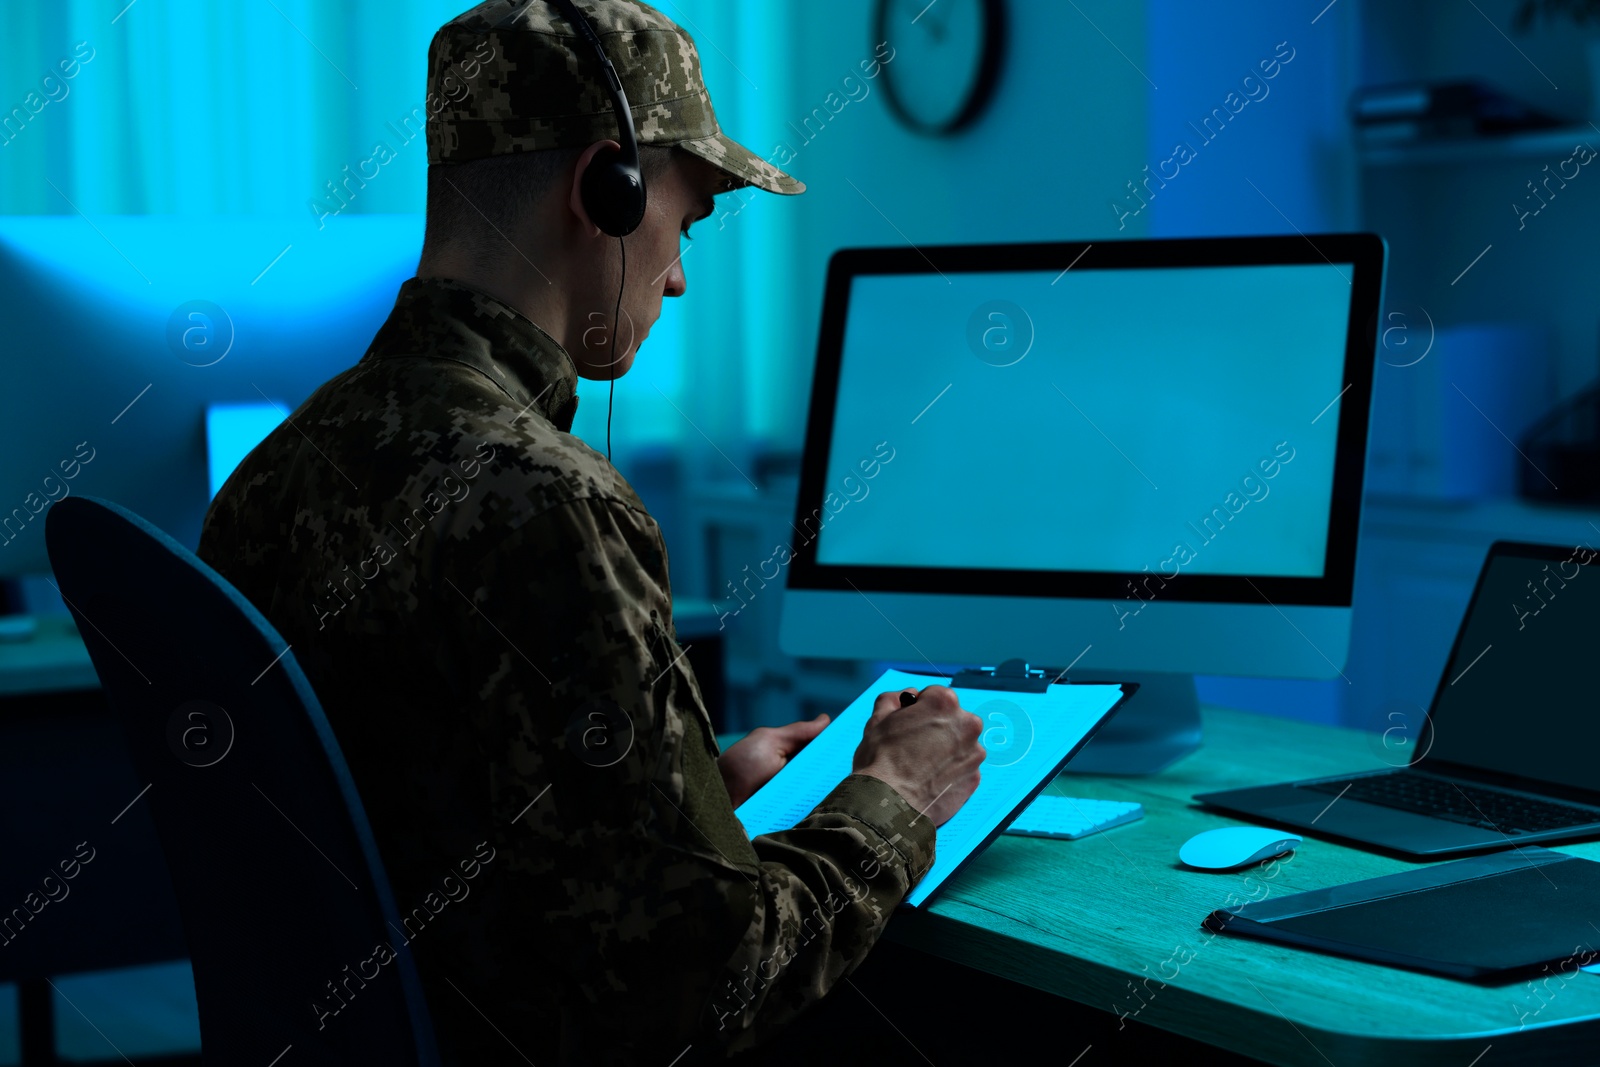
column 613, row 193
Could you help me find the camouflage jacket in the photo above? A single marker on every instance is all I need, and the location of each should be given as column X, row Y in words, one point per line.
column 481, row 603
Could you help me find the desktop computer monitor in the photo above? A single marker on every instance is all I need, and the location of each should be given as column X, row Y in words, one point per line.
column 1125, row 460
column 143, row 349
column 232, row 431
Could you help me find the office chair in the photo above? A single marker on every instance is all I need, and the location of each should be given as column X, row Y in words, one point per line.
column 282, row 892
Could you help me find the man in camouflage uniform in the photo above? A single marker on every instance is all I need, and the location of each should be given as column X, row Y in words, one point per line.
column 482, row 603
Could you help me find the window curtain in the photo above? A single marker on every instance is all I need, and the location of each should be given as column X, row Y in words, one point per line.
column 225, row 107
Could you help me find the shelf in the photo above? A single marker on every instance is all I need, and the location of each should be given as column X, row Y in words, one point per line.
column 1534, row 144
column 1478, row 522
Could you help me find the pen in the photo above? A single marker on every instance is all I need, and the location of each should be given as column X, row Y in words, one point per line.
column 907, row 698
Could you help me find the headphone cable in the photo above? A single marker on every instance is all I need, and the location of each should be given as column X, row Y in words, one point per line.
column 611, row 399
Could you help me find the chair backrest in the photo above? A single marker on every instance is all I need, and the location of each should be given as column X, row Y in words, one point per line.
column 292, row 928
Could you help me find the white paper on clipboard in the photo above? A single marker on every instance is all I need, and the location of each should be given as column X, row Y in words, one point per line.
column 1028, row 737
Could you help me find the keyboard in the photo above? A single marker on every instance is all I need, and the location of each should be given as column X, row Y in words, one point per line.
column 1072, row 817
column 1491, row 809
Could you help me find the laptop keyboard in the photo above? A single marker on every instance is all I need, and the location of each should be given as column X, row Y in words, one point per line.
column 1459, row 802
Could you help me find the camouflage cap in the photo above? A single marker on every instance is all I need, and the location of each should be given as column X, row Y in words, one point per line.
column 514, row 76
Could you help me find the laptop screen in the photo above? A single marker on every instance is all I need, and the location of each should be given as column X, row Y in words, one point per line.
column 1519, row 695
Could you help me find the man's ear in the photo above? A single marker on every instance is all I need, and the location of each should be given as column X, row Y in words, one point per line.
column 575, row 194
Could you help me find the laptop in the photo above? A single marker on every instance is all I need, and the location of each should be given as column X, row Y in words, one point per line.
column 1509, row 753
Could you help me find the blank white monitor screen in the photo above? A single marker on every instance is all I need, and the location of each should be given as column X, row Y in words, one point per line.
column 1162, row 418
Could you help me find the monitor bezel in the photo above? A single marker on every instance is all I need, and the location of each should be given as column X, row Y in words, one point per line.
column 1365, row 252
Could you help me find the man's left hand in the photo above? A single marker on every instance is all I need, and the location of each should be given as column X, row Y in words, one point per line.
column 751, row 762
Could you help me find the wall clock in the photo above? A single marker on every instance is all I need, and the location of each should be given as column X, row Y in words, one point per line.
column 947, row 60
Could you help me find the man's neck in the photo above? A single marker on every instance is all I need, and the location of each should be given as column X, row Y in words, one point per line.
column 535, row 298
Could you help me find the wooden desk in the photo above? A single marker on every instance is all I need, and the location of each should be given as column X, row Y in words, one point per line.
column 1097, row 919
column 52, row 660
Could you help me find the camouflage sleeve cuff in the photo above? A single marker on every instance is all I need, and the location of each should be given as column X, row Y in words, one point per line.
column 879, row 807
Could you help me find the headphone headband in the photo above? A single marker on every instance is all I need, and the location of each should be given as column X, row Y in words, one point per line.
column 613, row 187
column 619, row 98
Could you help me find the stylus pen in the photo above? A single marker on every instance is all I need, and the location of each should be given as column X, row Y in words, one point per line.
column 907, row 698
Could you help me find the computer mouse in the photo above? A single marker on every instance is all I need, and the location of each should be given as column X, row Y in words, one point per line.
column 1235, row 846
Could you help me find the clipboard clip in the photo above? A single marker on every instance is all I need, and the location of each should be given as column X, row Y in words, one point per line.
column 1014, row 676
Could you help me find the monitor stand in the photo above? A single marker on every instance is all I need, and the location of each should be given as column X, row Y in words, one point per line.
column 1156, row 727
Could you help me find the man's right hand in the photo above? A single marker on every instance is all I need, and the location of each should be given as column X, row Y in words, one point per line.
column 928, row 751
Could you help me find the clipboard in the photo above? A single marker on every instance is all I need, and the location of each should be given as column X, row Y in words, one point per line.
column 1030, row 737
